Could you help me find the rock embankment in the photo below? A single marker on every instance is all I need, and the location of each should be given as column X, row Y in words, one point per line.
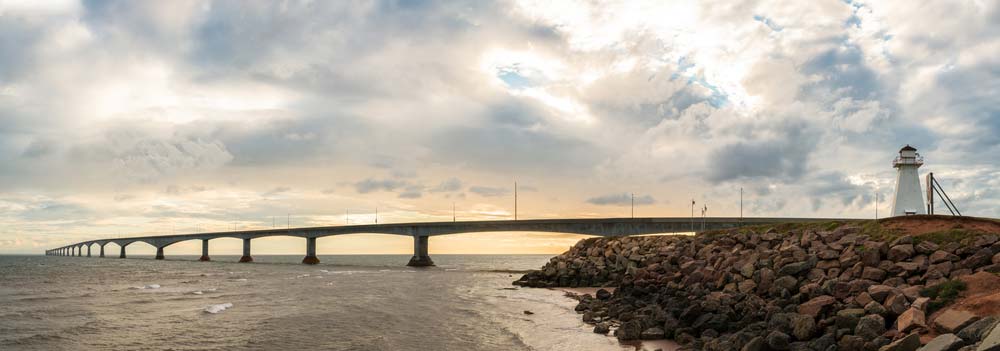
column 821, row 289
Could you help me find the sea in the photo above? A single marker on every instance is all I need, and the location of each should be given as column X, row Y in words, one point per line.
column 349, row 302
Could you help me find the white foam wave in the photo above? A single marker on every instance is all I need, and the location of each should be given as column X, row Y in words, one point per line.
column 152, row 286
column 197, row 292
column 213, row 309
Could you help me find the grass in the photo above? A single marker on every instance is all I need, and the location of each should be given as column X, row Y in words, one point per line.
column 943, row 294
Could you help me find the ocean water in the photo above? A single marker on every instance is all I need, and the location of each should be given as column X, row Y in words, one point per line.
column 363, row 302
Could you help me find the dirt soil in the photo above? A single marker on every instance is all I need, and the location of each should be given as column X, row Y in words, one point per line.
column 922, row 224
column 982, row 297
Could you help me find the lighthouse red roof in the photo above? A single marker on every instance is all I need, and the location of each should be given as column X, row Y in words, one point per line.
column 908, row 148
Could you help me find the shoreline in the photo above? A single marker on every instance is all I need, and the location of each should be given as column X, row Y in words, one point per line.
column 640, row 345
column 860, row 284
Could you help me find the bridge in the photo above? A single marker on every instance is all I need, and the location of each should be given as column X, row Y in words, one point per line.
column 607, row 227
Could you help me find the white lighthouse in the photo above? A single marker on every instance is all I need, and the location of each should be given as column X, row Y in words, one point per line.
column 908, row 199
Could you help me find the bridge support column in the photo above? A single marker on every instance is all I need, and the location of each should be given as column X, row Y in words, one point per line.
column 420, row 257
column 246, row 251
column 79, row 251
column 88, row 250
column 159, row 253
column 310, row 252
column 122, row 255
column 204, row 251
column 102, row 251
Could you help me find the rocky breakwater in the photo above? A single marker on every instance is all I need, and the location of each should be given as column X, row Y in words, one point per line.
column 839, row 286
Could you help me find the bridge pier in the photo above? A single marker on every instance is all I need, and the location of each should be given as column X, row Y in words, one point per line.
column 88, row 250
column 102, row 251
column 122, row 255
column 310, row 252
column 79, row 251
column 246, row 251
column 420, row 257
column 159, row 253
column 204, row 251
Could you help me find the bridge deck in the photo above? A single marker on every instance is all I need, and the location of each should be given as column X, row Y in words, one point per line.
column 584, row 226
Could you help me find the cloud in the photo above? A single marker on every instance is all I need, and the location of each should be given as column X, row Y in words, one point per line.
column 372, row 184
column 276, row 191
column 622, row 199
column 412, row 192
column 803, row 104
column 486, row 191
column 447, row 186
column 784, row 158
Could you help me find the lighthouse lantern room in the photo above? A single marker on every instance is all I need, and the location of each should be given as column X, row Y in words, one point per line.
column 908, row 199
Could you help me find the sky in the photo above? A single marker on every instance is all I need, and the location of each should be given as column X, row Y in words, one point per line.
column 127, row 118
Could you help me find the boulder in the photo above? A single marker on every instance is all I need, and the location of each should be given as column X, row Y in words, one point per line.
column 755, row 344
column 872, row 273
column 879, row 292
column 907, row 343
column 921, row 303
column 603, row 294
column 871, row 258
column 602, row 328
column 876, row 308
column 991, row 342
column 803, row 326
column 653, row 333
column 863, row 299
column 942, row 256
column 870, row 326
column 815, row 306
column 786, row 282
column 848, row 318
column 944, row 342
column 795, row 268
column 952, row 320
column 630, row 330
column 900, row 252
column 896, row 303
column 978, row 329
column 911, row 319
column 777, row 340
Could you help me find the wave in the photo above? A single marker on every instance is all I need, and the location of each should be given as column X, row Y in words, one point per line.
column 145, row 287
column 213, row 309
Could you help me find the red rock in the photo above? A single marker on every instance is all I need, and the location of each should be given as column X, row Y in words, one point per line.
column 953, row 320
column 911, row 319
column 879, row 292
column 872, row 273
column 815, row 306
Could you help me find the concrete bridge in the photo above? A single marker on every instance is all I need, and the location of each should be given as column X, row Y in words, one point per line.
column 422, row 231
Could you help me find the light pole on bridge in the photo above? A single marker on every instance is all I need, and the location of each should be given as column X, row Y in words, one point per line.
column 692, row 215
